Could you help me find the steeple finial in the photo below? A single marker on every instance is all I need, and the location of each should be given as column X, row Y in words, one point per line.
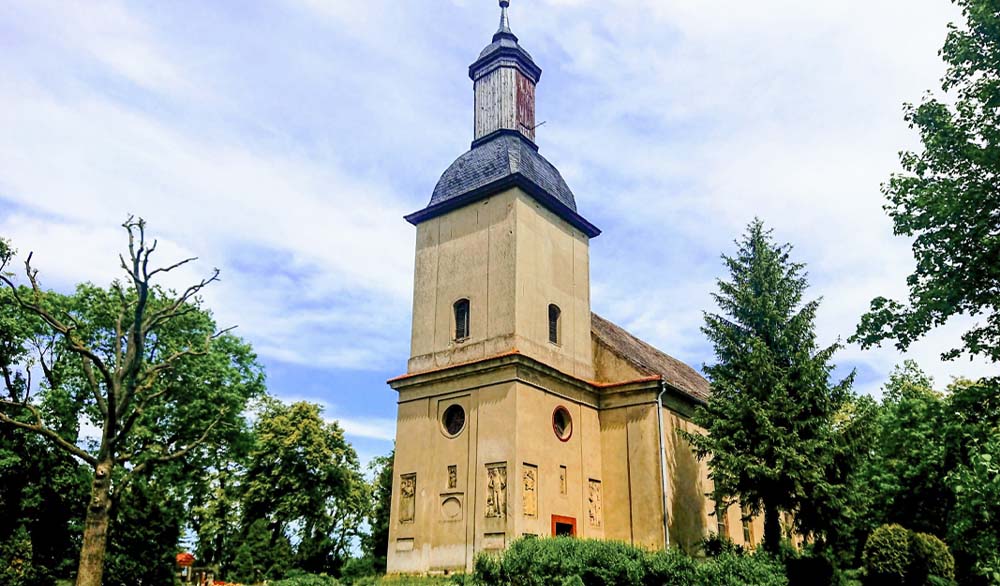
column 504, row 29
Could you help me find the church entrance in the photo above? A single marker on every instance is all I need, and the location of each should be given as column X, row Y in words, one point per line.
column 563, row 526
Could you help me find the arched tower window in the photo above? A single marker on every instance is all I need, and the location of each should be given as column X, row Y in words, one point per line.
column 461, row 319
column 554, row 315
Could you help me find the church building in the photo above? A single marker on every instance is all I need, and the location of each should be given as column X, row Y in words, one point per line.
column 522, row 413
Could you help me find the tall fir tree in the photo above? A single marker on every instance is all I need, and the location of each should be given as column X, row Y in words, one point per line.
column 769, row 424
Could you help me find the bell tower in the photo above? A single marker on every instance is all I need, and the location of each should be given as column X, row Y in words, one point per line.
column 502, row 260
column 486, row 448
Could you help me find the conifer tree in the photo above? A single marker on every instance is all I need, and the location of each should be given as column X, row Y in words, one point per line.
column 769, row 423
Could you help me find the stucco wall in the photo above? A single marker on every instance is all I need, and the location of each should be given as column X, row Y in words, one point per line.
column 511, row 258
column 437, row 539
column 538, row 446
column 553, row 266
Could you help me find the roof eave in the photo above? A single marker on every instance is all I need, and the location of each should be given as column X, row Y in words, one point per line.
column 520, row 57
column 510, row 181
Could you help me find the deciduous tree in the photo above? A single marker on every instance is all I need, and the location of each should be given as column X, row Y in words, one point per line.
column 304, row 481
column 147, row 367
column 948, row 198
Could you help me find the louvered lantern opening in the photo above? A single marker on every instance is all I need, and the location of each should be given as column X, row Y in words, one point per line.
column 554, row 314
column 461, row 319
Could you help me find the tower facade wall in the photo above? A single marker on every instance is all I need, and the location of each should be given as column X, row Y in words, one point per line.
column 512, row 259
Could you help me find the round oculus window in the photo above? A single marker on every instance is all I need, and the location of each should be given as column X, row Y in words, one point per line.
column 562, row 424
column 453, row 420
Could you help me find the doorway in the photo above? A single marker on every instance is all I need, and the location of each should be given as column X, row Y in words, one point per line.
column 563, row 526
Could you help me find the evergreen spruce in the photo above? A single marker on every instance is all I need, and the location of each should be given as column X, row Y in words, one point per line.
column 769, row 424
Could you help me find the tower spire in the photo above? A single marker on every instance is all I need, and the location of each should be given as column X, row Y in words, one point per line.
column 504, row 30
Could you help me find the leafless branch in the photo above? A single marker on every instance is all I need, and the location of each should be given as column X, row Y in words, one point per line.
column 173, row 266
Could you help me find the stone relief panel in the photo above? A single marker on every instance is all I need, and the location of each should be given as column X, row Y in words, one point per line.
column 452, row 477
column 496, row 491
column 407, row 497
column 529, row 477
column 595, row 504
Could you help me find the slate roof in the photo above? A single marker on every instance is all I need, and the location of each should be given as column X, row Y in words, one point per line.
column 497, row 162
column 504, row 155
column 505, row 46
column 649, row 360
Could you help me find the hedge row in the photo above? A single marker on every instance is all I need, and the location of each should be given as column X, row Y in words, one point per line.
column 576, row 562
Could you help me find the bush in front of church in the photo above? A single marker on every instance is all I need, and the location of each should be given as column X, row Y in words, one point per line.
column 565, row 561
column 894, row 555
column 887, row 557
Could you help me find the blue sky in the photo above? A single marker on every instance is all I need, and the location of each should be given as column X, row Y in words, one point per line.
column 283, row 141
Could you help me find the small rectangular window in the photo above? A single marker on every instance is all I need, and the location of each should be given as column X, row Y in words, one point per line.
column 461, row 319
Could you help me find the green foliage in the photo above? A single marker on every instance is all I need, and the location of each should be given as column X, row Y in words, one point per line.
column 538, row 562
column 948, row 197
column 17, row 567
column 44, row 491
column 376, row 542
column 887, row 557
column 143, row 537
column 930, row 558
column 769, row 423
column 974, row 530
column 749, row 570
column 306, row 580
column 894, row 555
column 263, row 553
column 907, row 473
column 715, row 545
column 303, row 483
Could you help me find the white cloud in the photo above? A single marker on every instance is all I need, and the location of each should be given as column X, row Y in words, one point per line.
column 379, row 428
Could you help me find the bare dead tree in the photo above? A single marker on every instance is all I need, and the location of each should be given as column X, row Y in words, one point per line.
column 123, row 382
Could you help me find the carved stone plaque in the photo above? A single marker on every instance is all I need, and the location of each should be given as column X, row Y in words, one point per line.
column 595, row 504
column 407, row 497
column 496, row 491
column 530, row 491
column 452, row 477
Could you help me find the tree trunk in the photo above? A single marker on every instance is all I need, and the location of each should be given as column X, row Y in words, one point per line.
column 772, row 529
column 95, row 530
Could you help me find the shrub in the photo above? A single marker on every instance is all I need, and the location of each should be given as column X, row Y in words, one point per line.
column 16, row 566
column 747, row 570
column 307, row 580
column 886, row 556
column 574, row 562
column 931, row 558
column 670, row 568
